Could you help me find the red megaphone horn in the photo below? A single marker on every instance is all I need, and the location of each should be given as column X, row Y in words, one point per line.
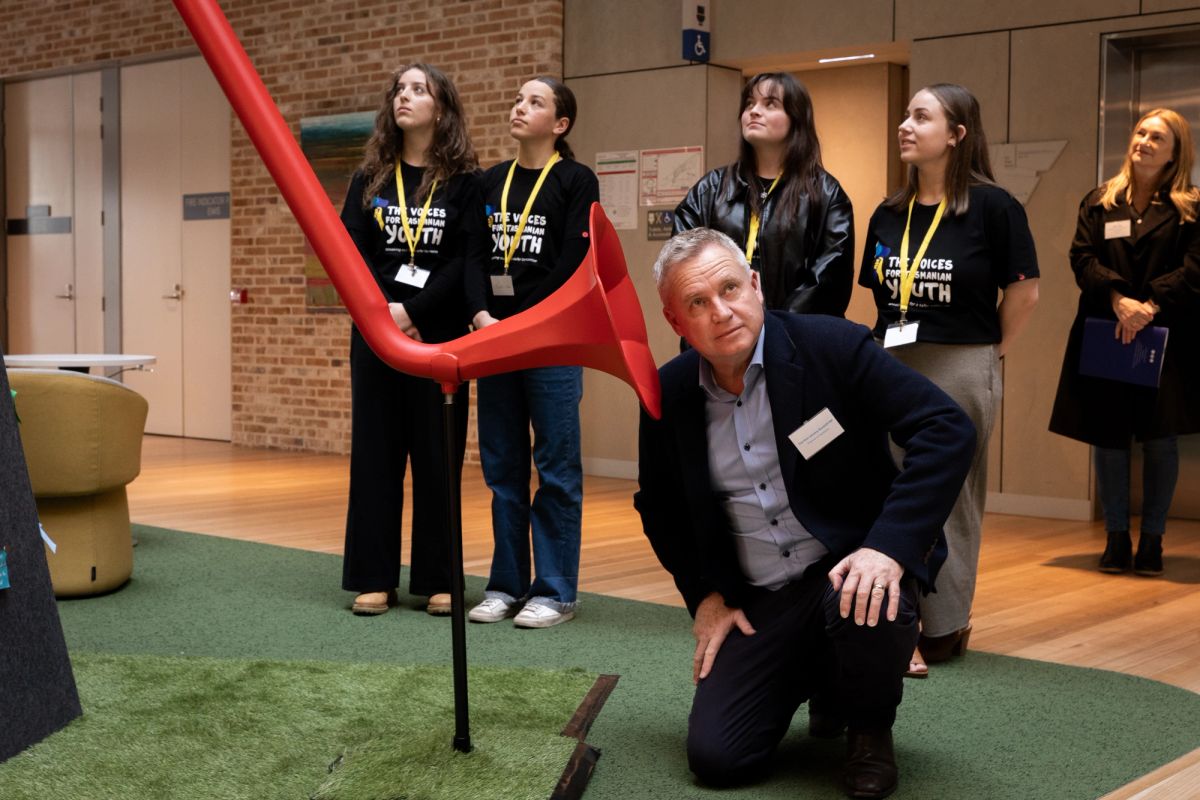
column 593, row 320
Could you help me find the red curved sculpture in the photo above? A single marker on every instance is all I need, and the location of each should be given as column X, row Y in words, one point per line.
column 593, row 320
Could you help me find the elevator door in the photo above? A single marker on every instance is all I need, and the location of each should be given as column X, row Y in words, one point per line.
column 175, row 130
column 1144, row 71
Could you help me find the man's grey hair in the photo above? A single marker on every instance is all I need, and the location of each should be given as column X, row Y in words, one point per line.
column 688, row 245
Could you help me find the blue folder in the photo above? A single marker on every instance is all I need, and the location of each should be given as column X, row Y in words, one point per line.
column 1138, row 362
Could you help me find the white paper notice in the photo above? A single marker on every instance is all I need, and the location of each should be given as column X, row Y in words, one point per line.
column 617, row 171
column 669, row 173
column 1018, row 166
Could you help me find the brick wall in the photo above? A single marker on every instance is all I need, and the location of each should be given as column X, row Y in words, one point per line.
column 291, row 385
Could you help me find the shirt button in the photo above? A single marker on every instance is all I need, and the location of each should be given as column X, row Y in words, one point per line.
column 739, row 402
column 745, row 447
column 787, row 553
column 774, row 522
column 762, row 486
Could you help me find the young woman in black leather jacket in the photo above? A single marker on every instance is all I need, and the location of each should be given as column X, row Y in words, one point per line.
column 791, row 216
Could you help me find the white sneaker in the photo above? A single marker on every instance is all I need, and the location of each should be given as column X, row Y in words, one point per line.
column 536, row 615
column 492, row 609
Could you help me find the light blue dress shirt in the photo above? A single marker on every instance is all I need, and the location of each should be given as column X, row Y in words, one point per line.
column 773, row 547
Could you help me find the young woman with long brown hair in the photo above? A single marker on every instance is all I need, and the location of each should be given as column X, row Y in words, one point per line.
column 937, row 254
column 790, row 216
column 413, row 209
column 538, row 206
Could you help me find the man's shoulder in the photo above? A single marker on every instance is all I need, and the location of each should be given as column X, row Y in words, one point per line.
column 679, row 376
column 814, row 330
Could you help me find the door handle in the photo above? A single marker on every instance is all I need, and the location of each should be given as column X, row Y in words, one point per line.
column 176, row 295
column 70, row 295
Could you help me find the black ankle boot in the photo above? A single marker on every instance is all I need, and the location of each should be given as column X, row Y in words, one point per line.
column 1118, row 553
column 1149, row 555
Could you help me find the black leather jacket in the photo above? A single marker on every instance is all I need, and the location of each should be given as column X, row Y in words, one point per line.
column 808, row 269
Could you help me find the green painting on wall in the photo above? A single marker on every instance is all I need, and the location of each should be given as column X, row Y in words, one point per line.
column 333, row 146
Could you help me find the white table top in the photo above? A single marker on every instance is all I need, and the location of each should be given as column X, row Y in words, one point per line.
column 77, row 360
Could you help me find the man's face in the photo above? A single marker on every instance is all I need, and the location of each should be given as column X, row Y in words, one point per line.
column 716, row 304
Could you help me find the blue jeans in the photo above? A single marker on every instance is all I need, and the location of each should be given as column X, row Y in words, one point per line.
column 548, row 398
column 1159, row 473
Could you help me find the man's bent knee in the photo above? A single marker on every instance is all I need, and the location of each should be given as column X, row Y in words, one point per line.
column 719, row 764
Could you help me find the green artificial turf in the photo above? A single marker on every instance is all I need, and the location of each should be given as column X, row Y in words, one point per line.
column 159, row 727
column 986, row 726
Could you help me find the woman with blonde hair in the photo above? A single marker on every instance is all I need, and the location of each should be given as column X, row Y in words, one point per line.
column 1136, row 258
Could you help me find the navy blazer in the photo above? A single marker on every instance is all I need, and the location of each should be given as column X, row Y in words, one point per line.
column 848, row 495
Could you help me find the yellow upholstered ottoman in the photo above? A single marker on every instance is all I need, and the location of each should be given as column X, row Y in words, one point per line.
column 82, row 436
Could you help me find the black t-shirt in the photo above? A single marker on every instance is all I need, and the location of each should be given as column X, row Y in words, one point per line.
column 454, row 224
column 554, row 241
column 970, row 258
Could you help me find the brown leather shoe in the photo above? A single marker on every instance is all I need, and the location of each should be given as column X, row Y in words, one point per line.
column 870, row 764
column 371, row 604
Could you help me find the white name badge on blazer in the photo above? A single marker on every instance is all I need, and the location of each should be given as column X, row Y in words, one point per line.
column 1117, row 229
column 502, row 285
column 413, row 275
column 898, row 334
column 811, row 437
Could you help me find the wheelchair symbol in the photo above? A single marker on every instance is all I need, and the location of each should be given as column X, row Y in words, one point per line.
column 698, row 48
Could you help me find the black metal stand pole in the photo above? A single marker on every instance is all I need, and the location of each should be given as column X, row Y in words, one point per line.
column 458, row 612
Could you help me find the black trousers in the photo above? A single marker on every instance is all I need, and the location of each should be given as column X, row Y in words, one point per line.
column 801, row 650
column 397, row 418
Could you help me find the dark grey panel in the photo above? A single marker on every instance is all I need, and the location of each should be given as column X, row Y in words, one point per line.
column 213, row 205
column 35, row 225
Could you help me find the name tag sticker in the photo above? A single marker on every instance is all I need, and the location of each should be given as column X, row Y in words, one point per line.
column 1117, row 229
column 502, row 285
column 811, row 437
column 413, row 276
column 898, row 334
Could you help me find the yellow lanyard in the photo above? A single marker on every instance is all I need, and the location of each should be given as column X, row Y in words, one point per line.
column 908, row 271
column 752, row 239
column 408, row 234
column 511, row 250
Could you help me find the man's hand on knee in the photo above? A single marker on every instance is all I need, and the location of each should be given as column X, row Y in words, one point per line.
column 867, row 579
column 714, row 621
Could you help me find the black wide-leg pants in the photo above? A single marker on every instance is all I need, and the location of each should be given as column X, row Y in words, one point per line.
column 397, row 418
column 801, row 649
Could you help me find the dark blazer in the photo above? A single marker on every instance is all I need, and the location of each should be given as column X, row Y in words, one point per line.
column 807, row 260
column 1161, row 263
column 849, row 495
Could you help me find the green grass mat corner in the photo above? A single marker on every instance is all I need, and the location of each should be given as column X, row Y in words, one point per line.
column 164, row 727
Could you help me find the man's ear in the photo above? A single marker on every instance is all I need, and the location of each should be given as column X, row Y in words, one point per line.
column 669, row 316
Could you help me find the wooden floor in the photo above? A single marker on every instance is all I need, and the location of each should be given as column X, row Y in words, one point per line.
column 1039, row 593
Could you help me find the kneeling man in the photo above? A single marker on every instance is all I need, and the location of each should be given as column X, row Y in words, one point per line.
column 769, row 492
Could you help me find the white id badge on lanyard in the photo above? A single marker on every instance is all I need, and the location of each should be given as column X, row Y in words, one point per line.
column 502, row 285
column 898, row 334
column 413, row 275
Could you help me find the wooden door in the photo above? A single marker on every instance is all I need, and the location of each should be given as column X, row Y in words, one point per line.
column 175, row 129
